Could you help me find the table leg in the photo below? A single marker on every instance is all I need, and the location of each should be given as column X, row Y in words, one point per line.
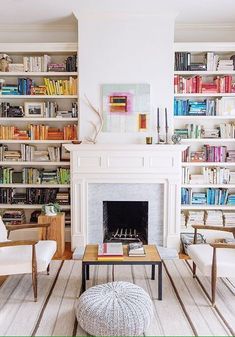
column 83, row 288
column 153, row 272
column 160, row 281
column 87, row 272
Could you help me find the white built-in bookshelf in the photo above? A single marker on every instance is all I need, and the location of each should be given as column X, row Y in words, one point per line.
column 64, row 95
column 214, row 87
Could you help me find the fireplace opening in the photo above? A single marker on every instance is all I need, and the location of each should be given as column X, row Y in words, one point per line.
column 125, row 221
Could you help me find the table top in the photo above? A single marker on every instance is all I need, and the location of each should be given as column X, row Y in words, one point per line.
column 152, row 255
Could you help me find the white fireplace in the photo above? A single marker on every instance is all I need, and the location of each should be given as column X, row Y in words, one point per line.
column 103, row 173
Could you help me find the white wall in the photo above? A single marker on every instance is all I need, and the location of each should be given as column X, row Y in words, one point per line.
column 124, row 48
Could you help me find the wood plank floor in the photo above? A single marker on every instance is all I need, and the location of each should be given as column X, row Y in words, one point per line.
column 184, row 311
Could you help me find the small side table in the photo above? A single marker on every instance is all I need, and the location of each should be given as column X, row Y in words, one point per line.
column 55, row 231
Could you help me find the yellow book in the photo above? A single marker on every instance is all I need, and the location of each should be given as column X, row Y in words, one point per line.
column 109, row 258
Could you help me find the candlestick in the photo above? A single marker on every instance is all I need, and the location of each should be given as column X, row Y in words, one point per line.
column 158, row 126
column 166, row 118
column 166, row 125
column 158, row 119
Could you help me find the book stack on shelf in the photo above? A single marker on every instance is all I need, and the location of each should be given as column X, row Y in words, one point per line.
column 13, row 217
column 229, row 218
column 136, row 249
column 110, row 252
column 214, row 218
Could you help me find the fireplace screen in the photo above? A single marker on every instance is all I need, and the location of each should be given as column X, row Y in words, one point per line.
column 125, row 221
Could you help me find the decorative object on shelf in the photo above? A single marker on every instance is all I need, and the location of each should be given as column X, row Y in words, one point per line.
column 164, row 138
column 2, row 81
column 5, row 60
column 149, row 140
column 126, row 107
column 33, row 109
column 166, row 125
column 97, row 128
column 176, row 139
column 51, row 209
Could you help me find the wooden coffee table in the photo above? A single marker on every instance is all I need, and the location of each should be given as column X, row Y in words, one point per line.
column 152, row 258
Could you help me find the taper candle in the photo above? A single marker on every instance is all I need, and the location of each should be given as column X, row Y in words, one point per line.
column 166, row 118
column 158, row 119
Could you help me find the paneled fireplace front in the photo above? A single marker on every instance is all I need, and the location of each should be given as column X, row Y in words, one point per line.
column 134, row 173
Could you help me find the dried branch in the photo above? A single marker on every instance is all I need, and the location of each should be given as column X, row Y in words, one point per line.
column 97, row 128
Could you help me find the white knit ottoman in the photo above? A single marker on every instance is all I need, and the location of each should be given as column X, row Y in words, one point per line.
column 114, row 309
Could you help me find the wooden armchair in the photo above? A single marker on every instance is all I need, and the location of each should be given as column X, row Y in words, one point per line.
column 214, row 259
column 26, row 256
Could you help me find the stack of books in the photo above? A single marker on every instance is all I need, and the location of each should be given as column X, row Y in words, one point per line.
column 58, row 67
column 214, row 218
column 229, row 218
column 110, row 252
column 195, row 218
column 136, row 249
column 62, row 198
column 14, row 217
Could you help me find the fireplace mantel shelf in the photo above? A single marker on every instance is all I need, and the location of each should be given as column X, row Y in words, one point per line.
column 125, row 147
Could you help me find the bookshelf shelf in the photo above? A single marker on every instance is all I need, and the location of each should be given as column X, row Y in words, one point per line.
column 204, row 73
column 208, row 140
column 34, row 186
column 201, row 118
column 42, row 119
column 38, row 56
column 208, row 185
column 201, row 95
column 38, row 74
column 207, row 207
column 34, row 163
column 6, row 97
column 31, row 207
column 6, row 141
column 209, row 164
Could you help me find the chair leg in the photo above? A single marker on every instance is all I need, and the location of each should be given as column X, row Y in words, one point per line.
column 213, row 277
column 34, row 273
column 48, row 269
column 194, row 269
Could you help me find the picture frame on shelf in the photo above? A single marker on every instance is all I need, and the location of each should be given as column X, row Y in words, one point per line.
column 34, row 109
column 65, row 154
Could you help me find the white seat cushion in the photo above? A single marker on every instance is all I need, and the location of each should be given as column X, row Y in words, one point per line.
column 202, row 255
column 18, row 260
column 3, row 231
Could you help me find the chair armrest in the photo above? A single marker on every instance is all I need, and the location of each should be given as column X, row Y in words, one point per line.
column 222, row 245
column 11, row 228
column 215, row 228
column 18, row 243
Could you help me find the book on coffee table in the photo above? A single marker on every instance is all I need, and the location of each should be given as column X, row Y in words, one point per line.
column 136, row 249
column 110, row 251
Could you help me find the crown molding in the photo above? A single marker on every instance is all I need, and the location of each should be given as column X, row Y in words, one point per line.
column 38, row 27
column 228, row 26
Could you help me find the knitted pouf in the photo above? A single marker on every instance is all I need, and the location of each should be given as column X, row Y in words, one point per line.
column 114, row 309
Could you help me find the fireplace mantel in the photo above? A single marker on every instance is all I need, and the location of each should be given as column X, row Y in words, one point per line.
column 125, row 164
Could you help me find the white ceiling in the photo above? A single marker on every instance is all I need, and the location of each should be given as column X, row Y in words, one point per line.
column 60, row 11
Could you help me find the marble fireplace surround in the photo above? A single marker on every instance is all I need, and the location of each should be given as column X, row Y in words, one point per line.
column 125, row 172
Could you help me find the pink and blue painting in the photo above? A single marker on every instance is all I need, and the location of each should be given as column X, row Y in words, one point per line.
column 126, row 107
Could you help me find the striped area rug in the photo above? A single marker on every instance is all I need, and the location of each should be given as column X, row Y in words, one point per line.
column 184, row 311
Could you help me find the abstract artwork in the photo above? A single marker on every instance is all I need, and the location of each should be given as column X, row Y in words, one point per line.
column 126, row 107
